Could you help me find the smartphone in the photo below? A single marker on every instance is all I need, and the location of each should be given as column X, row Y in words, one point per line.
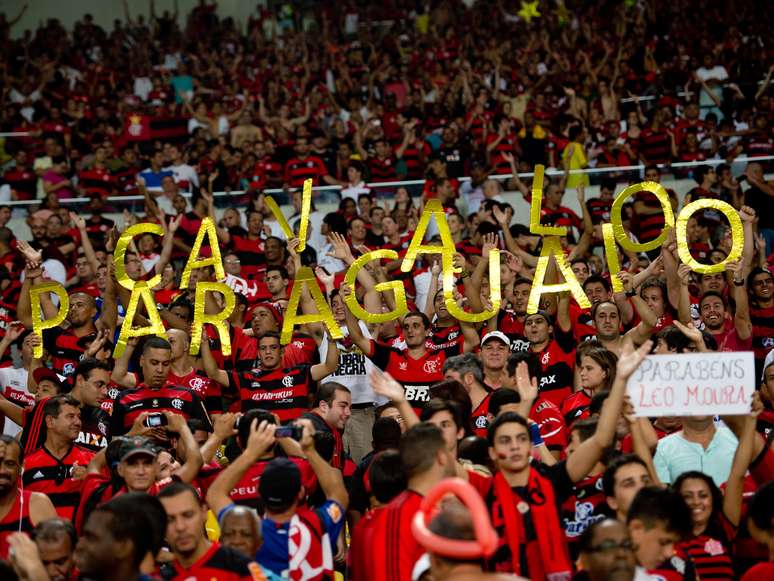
column 294, row 432
column 155, row 421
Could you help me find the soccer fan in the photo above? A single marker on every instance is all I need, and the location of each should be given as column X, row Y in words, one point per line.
column 761, row 522
column 606, row 552
column 286, row 520
column 56, row 539
column 332, row 410
column 282, row 390
column 467, row 370
column 624, row 476
column 155, row 393
column 194, row 554
column 21, row 510
column 58, row 467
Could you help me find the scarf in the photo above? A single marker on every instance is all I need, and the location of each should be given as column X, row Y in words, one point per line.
column 547, row 556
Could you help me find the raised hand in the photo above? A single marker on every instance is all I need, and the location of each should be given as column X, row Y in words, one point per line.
column 490, row 243
column 223, row 426
column 526, row 387
column 97, row 344
column 631, row 358
column 500, row 216
column 383, row 384
column 29, row 253
column 324, row 277
column 684, row 272
column 261, row 437
column 747, row 214
column 341, row 249
column 79, row 222
column 691, row 333
column 14, row 331
column 307, row 435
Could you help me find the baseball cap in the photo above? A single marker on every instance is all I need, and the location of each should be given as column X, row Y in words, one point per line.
column 280, row 483
column 43, row 373
column 136, row 446
column 496, row 335
column 543, row 314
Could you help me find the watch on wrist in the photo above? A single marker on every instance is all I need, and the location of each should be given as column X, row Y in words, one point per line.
column 631, row 293
column 738, row 282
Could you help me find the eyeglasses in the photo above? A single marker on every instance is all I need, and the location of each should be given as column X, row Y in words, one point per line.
column 610, row 546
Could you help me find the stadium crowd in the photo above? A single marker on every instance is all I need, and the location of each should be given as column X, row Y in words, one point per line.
column 309, row 460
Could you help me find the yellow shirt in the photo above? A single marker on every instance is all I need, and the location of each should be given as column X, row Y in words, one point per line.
column 577, row 161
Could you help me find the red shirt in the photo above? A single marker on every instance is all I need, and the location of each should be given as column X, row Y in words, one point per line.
column 219, row 562
column 398, row 552
column 44, row 472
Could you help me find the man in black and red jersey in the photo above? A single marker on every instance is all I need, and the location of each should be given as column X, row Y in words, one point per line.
column 66, row 346
column 305, row 166
column 284, row 391
column 760, row 286
column 20, row 510
column 195, row 555
column 57, row 468
column 556, row 355
column 248, row 249
column 416, row 367
column 91, row 379
column 182, row 373
column 155, row 394
column 22, row 179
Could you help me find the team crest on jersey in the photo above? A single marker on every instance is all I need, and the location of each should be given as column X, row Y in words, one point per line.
column 431, row 366
column 299, row 344
column 287, row 381
column 481, row 422
column 713, row 547
column 102, row 428
column 113, row 393
column 546, row 358
column 177, row 404
column 196, row 383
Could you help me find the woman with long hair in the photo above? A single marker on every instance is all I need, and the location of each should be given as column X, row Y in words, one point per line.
column 596, row 373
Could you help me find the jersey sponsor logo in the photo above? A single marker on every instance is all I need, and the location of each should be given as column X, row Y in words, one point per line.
column 547, row 380
column 38, row 475
column 91, row 440
column 584, row 518
column 68, row 369
column 334, row 512
column 272, row 395
column 135, row 405
column 417, row 393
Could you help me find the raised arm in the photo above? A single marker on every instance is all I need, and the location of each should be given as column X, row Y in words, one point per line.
column 732, row 498
column 120, row 374
column 331, row 363
column 223, row 428
column 383, row 384
column 353, row 326
column 186, row 447
column 589, row 452
column 260, row 440
column 742, row 321
column 330, row 479
column 210, row 365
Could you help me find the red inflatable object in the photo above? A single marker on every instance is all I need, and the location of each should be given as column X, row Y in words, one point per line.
column 485, row 543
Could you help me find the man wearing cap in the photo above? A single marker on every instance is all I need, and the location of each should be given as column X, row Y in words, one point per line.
column 282, row 390
column 289, row 530
column 495, row 348
column 57, row 468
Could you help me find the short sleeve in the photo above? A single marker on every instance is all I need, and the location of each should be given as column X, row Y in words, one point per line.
column 331, row 515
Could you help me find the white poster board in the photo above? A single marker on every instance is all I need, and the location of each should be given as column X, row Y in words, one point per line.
column 693, row 384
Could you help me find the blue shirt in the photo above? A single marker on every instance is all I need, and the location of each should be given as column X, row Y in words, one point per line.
column 675, row 455
column 153, row 179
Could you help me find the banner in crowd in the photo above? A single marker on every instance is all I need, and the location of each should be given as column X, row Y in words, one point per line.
column 552, row 250
column 693, row 384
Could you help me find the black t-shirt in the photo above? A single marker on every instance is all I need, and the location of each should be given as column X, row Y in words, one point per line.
column 761, row 203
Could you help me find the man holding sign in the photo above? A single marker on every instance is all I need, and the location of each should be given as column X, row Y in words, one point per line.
column 700, row 388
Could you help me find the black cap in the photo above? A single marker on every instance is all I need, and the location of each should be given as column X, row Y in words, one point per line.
column 280, row 483
column 138, row 445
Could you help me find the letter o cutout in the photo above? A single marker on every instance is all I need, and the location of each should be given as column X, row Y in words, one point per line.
column 615, row 216
column 737, row 235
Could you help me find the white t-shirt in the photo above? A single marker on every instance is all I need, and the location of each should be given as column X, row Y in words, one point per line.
column 13, row 384
column 354, row 368
column 354, row 191
column 184, row 173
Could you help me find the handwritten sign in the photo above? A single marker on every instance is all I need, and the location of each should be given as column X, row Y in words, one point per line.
column 693, row 384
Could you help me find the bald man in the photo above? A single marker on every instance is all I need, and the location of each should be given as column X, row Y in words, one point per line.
column 240, row 529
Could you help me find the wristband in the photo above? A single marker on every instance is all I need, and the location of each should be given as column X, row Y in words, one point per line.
column 738, row 282
column 631, row 293
column 534, row 435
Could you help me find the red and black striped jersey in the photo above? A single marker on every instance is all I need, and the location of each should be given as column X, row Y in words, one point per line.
column 479, row 417
column 298, row 170
column 762, row 331
column 16, row 520
column 208, row 390
column 219, row 562
column 710, row 558
column 576, row 406
column 512, row 325
column 444, row 337
column 283, row 391
column 246, row 491
column 557, row 361
column 23, row 182
column 251, row 256
column 382, row 170
column 599, row 210
column 93, row 436
column 65, row 348
column 97, row 182
column 416, row 375
column 582, row 509
column 244, row 349
column 170, row 398
column 413, row 157
column 506, row 145
column 396, row 558
column 44, row 472
column 655, row 145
